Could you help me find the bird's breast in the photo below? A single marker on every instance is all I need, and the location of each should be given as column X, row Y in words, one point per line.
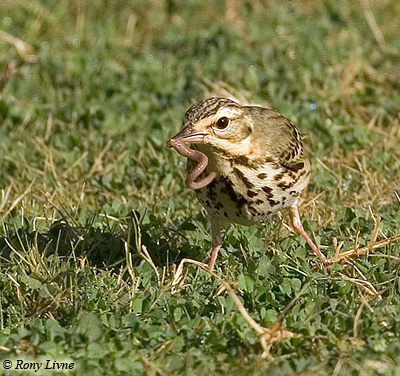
column 247, row 191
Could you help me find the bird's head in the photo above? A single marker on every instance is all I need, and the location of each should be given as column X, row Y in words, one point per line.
column 220, row 123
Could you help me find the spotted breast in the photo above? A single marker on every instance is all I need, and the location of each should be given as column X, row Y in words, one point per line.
column 247, row 192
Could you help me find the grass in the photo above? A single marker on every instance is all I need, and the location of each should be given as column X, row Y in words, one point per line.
column 95, row 217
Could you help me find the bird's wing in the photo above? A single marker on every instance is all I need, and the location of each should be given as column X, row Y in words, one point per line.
column 279, row 136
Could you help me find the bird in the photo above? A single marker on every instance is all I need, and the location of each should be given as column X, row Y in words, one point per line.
column 245, row 163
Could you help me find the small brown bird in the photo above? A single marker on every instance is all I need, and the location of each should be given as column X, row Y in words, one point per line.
column 250, row 163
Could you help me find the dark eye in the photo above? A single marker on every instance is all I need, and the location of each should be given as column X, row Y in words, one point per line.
column 222, row 123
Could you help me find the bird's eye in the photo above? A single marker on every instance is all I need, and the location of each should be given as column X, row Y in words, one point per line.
column 222, row 123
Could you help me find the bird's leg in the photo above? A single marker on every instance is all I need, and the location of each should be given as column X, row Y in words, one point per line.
column 214, row 254
column 296, row 224
column 217, row 228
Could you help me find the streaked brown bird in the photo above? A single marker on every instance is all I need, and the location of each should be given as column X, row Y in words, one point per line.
column 245, row 163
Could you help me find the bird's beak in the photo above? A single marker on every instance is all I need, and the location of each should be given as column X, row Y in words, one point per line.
column 188, row 135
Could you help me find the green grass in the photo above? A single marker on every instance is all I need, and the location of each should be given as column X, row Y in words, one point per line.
column 87, row 185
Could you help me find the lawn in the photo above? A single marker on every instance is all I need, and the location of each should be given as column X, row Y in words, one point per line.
column 95, row 217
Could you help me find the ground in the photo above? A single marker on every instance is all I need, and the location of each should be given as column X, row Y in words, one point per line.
column 95, row 216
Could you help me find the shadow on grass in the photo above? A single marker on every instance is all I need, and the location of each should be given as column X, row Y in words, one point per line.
column 104, row 247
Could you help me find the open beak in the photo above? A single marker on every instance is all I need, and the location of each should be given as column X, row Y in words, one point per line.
column 187, row 135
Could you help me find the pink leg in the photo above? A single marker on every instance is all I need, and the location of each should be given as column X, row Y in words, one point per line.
column 216, row 231
column 296, row 223
column 214, row 254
